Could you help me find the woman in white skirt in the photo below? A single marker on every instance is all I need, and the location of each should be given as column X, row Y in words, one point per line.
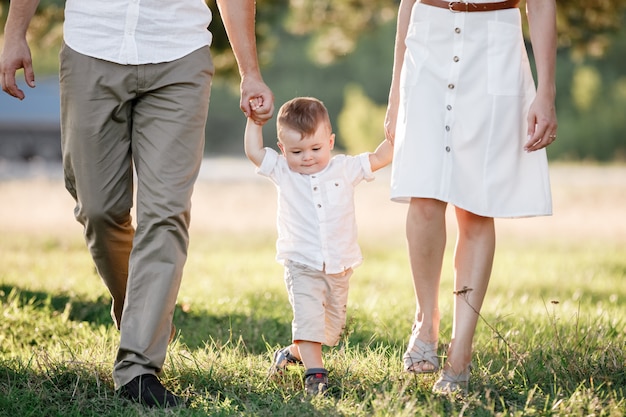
column 469, row 128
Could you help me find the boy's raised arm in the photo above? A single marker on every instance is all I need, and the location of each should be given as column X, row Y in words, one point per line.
column 382, row 156
column 253, row 142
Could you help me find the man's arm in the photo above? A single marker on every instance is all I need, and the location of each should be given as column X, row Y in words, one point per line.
column 238, row 17
column 16, row 53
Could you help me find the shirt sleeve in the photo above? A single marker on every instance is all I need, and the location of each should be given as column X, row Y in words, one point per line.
column 269, row 163
column 355, row 168
column 366, row 166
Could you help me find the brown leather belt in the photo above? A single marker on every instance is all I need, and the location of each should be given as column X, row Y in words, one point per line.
column 460, row 6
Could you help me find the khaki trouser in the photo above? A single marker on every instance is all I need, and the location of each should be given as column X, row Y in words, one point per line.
column 319, row 302
column 152, row 117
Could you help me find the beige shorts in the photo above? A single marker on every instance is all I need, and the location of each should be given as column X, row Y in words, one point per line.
column 319, row 303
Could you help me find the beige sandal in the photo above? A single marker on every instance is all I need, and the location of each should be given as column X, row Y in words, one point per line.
column 450, row 383
column 420, row 357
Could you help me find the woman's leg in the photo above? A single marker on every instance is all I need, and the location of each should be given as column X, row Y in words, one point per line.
column 473, row 260
column 426, row 239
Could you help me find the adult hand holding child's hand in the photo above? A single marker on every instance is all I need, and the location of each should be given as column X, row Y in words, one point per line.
column 257, row 100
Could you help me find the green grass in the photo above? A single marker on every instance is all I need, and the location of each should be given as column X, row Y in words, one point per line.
column 551, row 342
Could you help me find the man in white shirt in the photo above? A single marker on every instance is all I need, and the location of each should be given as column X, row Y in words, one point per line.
column 317, row 231
column 135, row 79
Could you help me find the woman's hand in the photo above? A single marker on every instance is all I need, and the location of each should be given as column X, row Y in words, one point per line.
column 542, row 124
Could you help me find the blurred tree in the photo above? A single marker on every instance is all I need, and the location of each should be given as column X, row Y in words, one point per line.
column 269, row 14
column 591, row 104
column 318, row 47
column 584, row 25
column 586, row 87
column 336, row 25
column 360, row 121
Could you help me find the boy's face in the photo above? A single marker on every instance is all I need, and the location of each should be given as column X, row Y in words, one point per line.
column 308, row 154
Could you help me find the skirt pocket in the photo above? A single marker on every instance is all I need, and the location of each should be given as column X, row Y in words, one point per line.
column 414, row 59
column 416, row 53
column 505, row 58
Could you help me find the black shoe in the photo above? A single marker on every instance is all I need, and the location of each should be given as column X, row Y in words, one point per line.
column 315, row 381
column 146, row 389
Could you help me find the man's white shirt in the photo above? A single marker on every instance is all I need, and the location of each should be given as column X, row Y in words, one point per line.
column 138, row 31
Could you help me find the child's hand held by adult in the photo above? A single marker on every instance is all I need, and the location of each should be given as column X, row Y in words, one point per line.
column 258, row 93
column 259, row 110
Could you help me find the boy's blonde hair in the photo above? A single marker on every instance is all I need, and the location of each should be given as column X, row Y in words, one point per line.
column 302, row 114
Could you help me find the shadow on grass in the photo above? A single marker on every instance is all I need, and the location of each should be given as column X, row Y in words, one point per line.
column 560, row 361
column 64, row 389
column 95, row 312
column 266, row 321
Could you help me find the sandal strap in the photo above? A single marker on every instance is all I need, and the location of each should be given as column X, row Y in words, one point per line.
column 291, row 358
column 420, row 351
column 451, row 383
column 313, row 371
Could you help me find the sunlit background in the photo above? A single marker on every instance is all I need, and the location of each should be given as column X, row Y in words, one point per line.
column 341, row 52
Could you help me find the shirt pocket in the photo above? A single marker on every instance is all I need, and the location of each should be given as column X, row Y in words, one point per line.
column 505, row 50
column 336, row 192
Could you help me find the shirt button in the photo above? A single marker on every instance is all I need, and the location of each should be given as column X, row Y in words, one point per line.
column 451, row 86
column 314, row 188
column 319, row 206
column 449, row 107
column 447, row 128
column 457, row 30
column 456, row 59
column 447, row 149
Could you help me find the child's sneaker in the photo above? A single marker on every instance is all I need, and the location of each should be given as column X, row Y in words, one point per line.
column 282, row 358
column 315, row 381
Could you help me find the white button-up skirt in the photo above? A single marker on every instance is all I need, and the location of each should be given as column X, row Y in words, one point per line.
column 466, row 87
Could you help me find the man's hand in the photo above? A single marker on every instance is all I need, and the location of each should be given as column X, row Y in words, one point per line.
column 257, row 100
column 16, row 56
column 16, row 53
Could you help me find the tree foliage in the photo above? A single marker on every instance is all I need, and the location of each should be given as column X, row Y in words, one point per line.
column 336, row 25
column 587, row 25
column 584, row 25
column 319, row 47
column 360, row 121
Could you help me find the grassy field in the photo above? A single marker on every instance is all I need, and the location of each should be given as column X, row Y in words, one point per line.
column 551, row 340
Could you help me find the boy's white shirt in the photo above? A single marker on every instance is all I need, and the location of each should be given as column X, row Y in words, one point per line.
column 316, row 214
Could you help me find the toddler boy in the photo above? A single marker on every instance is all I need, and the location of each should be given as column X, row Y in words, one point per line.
column 317, row 233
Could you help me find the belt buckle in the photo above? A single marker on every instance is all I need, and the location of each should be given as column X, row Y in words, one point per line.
column 453, row 3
